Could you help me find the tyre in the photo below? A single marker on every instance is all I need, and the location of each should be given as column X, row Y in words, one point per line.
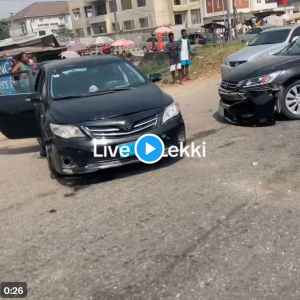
column 42, row 146
column 145, row 49
column 290, row 101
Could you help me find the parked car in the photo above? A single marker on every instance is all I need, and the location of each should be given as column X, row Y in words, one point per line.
column 146, row 45
column 77, row 101
column 260, row 86
column 204, row 38
column 268, row 42
column 252, row 33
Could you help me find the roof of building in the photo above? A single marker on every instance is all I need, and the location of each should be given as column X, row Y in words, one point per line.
column 30, row 50
column 40, row 9
column 21, row 40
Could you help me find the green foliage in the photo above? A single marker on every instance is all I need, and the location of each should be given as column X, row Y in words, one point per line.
column 4, row 32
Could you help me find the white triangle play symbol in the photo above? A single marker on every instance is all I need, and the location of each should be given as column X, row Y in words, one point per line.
column 149, row 148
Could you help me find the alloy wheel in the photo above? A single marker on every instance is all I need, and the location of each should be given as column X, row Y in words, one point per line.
column 292, row 99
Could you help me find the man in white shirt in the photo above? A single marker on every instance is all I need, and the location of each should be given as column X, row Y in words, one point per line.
column 185, row 45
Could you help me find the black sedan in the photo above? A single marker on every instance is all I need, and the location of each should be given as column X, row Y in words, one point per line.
column 79, row 101
column 253, row 91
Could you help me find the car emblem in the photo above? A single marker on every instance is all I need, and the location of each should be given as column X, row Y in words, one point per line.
column 237, row 63
column 127, row 126
column 225, row 84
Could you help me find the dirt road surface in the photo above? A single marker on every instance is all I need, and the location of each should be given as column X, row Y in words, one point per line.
column 221, row 227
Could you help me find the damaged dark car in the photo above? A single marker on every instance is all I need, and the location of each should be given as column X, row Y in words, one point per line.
column 254, row 92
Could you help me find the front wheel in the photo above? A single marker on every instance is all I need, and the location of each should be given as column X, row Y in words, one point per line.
column 290, row 101
column 51, row 167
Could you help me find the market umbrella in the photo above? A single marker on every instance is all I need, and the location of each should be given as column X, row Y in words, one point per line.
column 163, row 30
column 101, row 40
column 69, row 54
column 77, row 47
column 123, row 43
column 213, row 25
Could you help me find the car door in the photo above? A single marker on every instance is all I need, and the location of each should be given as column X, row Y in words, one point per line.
column 17, row 116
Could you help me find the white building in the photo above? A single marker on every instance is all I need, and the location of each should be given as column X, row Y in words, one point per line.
column 40, row 19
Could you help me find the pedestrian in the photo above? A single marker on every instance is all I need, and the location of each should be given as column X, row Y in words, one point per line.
column 23, row 65
column 153, row 47
column 233, row 34
column 173, row 49
column 185, row 54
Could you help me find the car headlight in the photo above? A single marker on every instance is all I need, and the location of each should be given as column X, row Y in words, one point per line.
column 170, row 112
column 66, row 131
column 261, row 80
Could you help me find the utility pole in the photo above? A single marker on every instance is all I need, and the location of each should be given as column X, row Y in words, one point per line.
column 223, row 12
column 201, row 11
column 234, row 18
column 229, row 21
column 12, row 24
column 116, row 20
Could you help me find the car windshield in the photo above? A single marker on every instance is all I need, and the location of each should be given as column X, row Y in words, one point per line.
column 88, row 79
column 270, row 37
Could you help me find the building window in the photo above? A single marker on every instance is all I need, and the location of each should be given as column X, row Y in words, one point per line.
column 32, row 20
column 141, row 3
column 62, row 18
column 129, row 25
column 113, row 27
column 144, row 23
column 177, row 2
column 42, row 32
column 102, row 29
column 126, row 4
column 88, row 11
column 196, row 16
column 41, row 20
column 89, row 31
column 113, row 6
column 80, row 32
column 178, row 19
column 101, row 9
column 76, row 13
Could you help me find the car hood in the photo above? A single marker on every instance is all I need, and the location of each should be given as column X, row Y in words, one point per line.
column 261, row 66
column 253, row 52
column 78, row 110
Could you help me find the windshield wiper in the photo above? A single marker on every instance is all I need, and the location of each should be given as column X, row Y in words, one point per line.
column 110, row 91
column 70, row 97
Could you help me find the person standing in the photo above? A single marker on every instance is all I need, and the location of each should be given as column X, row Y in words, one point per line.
column 173, row 50
column 153, row 47
column 185, row 54
column 23, row 65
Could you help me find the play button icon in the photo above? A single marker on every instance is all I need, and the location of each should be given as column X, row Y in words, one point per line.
column 149, row 148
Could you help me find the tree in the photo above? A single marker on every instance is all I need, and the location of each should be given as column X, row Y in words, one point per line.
column 4, row 31
column 63, row 32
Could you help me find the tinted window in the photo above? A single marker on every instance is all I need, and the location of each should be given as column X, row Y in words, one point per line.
column 270, row 37
column 91, row 78
column 294, row 49
column 251, row 31
column 15, row 84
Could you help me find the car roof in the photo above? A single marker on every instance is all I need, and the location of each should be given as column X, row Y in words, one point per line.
column 283, row 27
column 80, row 60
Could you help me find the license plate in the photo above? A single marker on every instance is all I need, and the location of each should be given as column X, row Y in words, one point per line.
column 127, row 153
column 221, row 111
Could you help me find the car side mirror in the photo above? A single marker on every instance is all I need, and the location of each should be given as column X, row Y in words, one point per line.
column 155, row 77
column 295, row 38
column 34, row 98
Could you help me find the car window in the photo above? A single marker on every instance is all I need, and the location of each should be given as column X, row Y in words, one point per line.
column 270, row 37
column 296, row 33
column 251, row 31
column 15, row 84
column 93, row 78
column 258, row 30
column 292, row 49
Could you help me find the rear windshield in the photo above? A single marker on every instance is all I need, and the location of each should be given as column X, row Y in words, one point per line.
column 271, row 37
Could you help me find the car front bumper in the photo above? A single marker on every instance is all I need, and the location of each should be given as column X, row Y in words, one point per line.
column 80, row 152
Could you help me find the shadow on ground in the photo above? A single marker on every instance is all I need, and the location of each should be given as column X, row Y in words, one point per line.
column 82, row 181
column 19, row 150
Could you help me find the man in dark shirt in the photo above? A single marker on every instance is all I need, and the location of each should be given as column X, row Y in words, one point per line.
column 173, row 49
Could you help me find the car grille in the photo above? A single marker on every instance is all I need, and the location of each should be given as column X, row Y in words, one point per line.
column 116, row 132
column 228, row 85
column 236, row 63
